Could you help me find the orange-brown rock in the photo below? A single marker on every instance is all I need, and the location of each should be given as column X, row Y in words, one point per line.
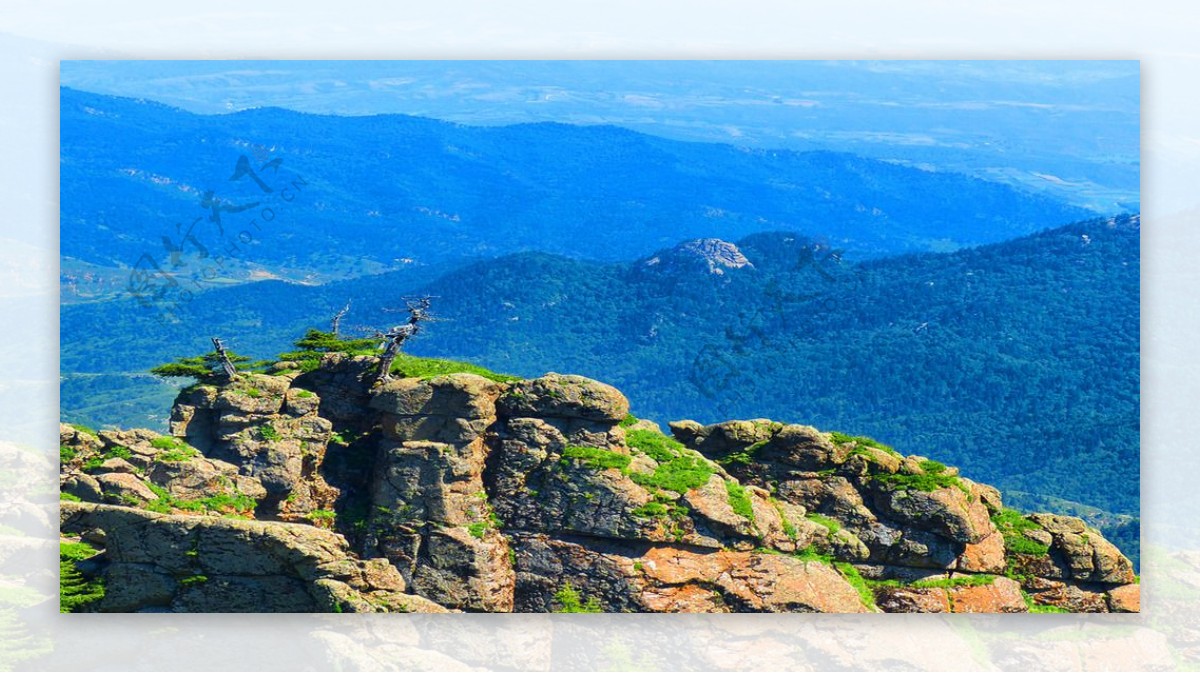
column 750, row 582
column 1125, row 598
column 1002, row 595
column 985, row 556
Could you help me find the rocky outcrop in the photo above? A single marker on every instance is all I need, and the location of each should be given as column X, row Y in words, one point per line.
column 323, row 489
column 431, row 515
column 709, row 254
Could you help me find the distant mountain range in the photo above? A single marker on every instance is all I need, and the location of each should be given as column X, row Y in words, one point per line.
column 1063, row 128
column 314, row 198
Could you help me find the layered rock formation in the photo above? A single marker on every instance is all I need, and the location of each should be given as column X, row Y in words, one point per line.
column 323, row 490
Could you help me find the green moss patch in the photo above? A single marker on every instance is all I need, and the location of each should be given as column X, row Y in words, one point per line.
column 1013, row 525
column 597, row 459
column 739, row 501
column 842, row 439
column 679, row 469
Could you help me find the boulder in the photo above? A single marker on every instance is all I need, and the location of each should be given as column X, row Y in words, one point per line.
column 1125, row 598
column 213, row 564
column 1085, row 553
column 122, row 487
column 82, row 486
column 948, row 512
column 194, row 479
column 564, row 396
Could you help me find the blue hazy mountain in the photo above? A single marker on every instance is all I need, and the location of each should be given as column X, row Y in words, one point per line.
column 1065, row 128
column 356, row 195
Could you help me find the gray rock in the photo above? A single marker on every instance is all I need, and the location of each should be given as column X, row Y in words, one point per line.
column 124, row 487
column 564, row 396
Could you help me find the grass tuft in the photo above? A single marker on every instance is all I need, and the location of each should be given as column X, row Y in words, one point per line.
column 739, row 501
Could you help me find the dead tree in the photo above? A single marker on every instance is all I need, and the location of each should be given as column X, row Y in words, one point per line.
column 418, row 312
column 337, row 318
column 223, row 357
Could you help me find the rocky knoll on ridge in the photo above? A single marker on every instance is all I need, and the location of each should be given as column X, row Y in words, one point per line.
column 318, row 489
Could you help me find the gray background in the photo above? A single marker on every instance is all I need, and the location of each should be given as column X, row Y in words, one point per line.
column 34, row 36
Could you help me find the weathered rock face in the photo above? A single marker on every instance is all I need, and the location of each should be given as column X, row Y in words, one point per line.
column 430, row 513
column 154, row 562
column 456, row 492
column 271, row 431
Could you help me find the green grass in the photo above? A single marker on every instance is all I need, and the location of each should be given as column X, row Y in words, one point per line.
column 596, row 459
column 678, row 470
column 166, row 443
column 93, row 463
column 253, row 392
column 227, row 504
column 1013, row 525
column 654, row 444
column 788, row 528
column 173, row 450
column 948, row 583
column 830, row 524
column 680, row 475
column 479, row 529
column 571, row 601
column 269, row 433
column 932, row 467
column 841, row 438
column 856, row 580
column 739, row 501
column 76, row 592
column 411, row 366
column 316, row 344
column 629, row 420
column 810, row 554
column 66, row 453
column 921, row 482
column 80, row 427
column 304, row 394
column 744, row 457
column 69, row 497
column 193, row 580
column 651, row 510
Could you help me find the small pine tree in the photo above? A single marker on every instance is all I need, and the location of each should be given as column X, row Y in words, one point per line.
column 316, row 341
column 205, row 368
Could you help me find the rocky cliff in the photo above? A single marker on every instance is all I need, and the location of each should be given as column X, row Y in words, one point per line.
column 316, row 489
